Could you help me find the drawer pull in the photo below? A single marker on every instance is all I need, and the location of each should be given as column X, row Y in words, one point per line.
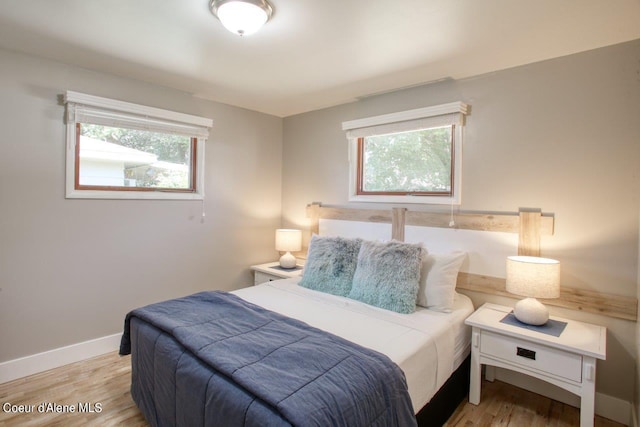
column 523, row 352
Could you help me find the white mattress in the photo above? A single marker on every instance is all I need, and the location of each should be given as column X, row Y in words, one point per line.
column 427, row 345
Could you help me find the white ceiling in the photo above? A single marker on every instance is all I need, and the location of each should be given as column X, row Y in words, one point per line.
column 313, row 53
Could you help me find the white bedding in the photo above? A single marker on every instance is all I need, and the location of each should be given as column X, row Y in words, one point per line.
column 427, row 345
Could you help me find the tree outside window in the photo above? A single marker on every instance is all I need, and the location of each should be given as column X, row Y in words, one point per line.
column 416, row 162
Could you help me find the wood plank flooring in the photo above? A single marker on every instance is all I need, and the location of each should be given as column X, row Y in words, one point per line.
column 502, row 404
column 106, row 380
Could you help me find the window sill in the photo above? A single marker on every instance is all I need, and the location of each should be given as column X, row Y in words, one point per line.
column 132, row 195
column 426, row 200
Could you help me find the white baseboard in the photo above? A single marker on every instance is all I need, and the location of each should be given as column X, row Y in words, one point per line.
column 610, row 407
column 29, row 365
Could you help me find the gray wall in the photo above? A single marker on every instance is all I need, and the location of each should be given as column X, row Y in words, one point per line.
column 71, row 269
column 562, row 135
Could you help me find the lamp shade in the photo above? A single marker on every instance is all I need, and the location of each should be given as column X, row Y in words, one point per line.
column 243, row 17
column 533, row 277
column 288, row 240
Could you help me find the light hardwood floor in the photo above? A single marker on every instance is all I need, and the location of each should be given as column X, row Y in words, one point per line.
column 106, row 380
column 502, row 404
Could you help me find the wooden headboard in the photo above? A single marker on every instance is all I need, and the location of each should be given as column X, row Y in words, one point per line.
column 530, row 225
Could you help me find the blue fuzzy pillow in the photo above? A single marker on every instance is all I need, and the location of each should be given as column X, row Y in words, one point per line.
column 388, row 275
column 331, row 263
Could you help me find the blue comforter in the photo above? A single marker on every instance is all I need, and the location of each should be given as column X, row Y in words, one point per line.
column 303, row 375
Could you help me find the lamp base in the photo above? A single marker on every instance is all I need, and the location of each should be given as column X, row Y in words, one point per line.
column 287, row 261
column 531, row 311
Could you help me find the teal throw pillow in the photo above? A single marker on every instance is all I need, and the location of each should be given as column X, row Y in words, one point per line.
column 331, row 263
column 388, row 275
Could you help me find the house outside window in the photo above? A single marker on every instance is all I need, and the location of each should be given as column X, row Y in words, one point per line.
column 119, row 150
column 408, row 157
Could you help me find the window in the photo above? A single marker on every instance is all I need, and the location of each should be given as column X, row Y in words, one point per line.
column 407, row 163
column 408, row 157
column 121, row 150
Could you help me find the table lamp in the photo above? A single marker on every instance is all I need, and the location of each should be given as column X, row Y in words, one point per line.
column 532, row 277
column 288, row 240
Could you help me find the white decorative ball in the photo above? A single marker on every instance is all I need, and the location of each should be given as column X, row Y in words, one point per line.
column 531, row 311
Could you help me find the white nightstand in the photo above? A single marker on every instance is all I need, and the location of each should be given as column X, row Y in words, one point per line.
column 272, row 271
column 568, row 361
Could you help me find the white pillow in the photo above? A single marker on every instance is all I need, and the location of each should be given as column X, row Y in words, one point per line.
column 438, row 279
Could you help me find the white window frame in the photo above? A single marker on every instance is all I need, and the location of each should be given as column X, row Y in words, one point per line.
column 418, row 119
column 83, row 108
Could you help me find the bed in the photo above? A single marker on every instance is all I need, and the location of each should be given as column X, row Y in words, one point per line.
column 403, row 368
column 428, row 347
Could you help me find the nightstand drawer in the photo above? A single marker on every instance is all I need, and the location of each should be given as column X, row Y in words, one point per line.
column 261, row 277
column 524, row 353
column 272, row 271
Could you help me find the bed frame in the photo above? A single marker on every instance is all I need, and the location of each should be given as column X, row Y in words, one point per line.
column 529, row 224
column 444, row 403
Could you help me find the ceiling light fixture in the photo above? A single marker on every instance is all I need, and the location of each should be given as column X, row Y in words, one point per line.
column 243, row 17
